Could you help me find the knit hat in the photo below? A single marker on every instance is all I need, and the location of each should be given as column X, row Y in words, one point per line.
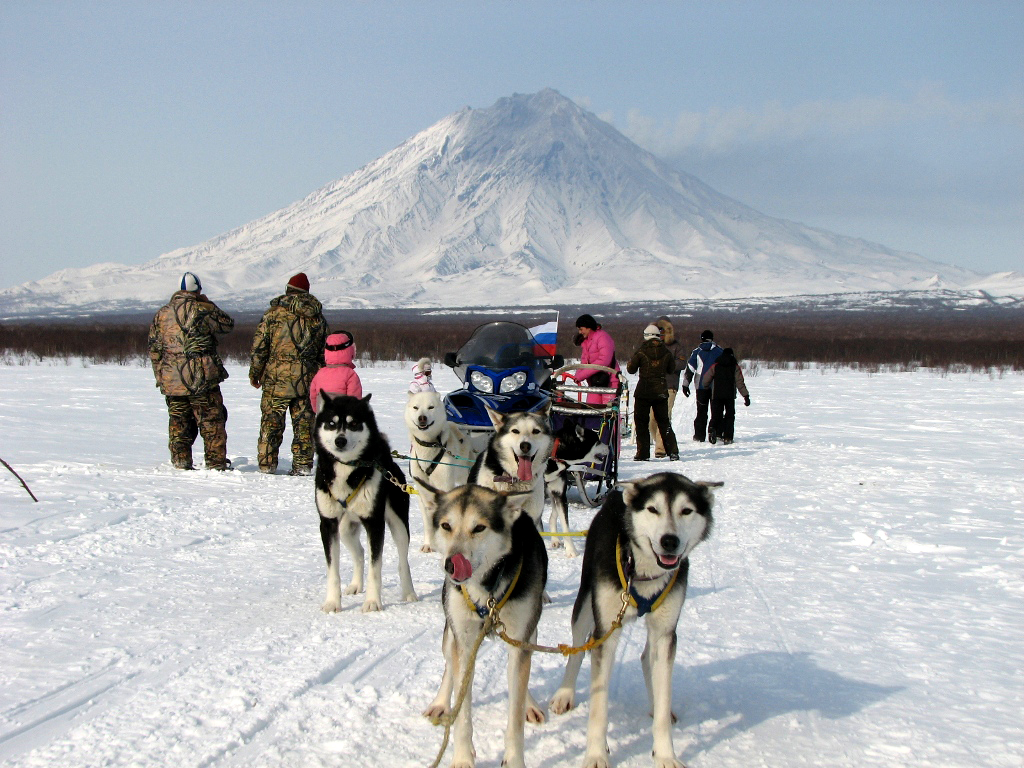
column 190, row 282
column 339, row 341
column 586, row 321
column 423, row 366
column 707, row 336
column 299, row 281
column 652, row 332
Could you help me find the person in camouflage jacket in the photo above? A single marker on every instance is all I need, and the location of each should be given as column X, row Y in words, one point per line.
column 287, row 351
column 188, row 370
column 654, row 362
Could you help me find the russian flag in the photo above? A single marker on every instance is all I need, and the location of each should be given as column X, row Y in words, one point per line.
column 546, row 336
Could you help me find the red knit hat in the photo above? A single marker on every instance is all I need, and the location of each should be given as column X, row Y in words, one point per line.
column 299, row 281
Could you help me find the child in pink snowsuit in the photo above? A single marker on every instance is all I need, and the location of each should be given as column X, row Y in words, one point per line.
column 339, row 376
column 421, row 373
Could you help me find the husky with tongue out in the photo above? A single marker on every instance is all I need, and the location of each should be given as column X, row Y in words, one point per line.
column 516, row 457
column 638, row 543
column 492, row 552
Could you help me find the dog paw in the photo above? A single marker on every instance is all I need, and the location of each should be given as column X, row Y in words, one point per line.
column 545, row 598
column 571, row 552
column 331, row 605
column 562, row 702
column 353, row 589
column 514, row 762
column 464, row 762
column 535, row 715
column 426, row 548
column 556, row 544
column 410, row 597
column 596, row 761
column 667, row 762
column 372, row 605
column 436, row 710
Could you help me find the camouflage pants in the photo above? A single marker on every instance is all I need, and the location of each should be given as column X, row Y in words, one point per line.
column 192, row 415
column 272, row 426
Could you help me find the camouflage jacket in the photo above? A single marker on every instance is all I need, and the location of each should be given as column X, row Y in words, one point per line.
column 288, row 348
column 182, row 345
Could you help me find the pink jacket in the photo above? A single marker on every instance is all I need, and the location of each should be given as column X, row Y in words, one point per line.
column 339, row 377
column 598, row 349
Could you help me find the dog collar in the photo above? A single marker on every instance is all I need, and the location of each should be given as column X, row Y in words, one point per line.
column 643, row 605
column 485, row 609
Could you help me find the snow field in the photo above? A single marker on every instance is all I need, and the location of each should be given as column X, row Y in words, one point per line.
column 859, row 601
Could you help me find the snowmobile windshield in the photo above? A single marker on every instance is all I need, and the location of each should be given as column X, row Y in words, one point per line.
column 501, row 346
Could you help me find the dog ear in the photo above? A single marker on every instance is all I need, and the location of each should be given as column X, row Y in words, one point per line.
column 629, row 490
column 580, row 431
column 322, row 400
column 544, row 410
column 514, row 502
column 367, row 398
column 709, row 483
column 457, row 434
column 497, row 418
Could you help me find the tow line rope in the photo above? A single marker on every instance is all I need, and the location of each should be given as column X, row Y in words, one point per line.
column 493, row 623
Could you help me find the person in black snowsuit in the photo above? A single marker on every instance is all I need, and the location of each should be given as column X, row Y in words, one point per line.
column 725, row 380
column 654, row 362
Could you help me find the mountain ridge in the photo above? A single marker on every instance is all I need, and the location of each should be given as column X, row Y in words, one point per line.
column 533, row 197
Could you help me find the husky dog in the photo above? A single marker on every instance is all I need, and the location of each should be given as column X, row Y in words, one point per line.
column 440, row 455
column 576, row 448
column 516, row 457
column 638, row 542
column 354, row 470
column 491, row 551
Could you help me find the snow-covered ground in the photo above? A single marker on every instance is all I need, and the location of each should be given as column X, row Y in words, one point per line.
column 860, row 602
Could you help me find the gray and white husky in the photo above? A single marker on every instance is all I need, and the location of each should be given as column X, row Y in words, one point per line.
column 491, row 551
column 441, row 454
column 638, row 542
column 354, row 488
column 516, row 457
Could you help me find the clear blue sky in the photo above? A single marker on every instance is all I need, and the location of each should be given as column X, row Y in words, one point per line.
column 128, row 129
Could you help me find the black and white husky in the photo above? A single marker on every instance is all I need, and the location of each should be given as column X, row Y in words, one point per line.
column 639, row 542
column 516, row 457
column 355, row 486
column 576, row 448
column 491, row 552
column 441, row 455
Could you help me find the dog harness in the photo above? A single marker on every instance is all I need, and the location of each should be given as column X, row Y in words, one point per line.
column 434, row 462
column 348, row 499
column 643, row 605
column 485, row 609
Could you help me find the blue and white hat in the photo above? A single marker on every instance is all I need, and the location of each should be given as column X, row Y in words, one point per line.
column 190, row 282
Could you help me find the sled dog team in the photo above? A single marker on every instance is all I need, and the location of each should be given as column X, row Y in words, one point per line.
column 484, row 520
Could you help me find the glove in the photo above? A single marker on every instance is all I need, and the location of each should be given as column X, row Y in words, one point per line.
column 746, row 401
column 686, row 391
column 255, row 383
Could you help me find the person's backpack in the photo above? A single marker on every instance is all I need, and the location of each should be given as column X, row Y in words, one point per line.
column 723, row 385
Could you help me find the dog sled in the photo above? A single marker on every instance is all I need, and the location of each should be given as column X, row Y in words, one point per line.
column 608, row 421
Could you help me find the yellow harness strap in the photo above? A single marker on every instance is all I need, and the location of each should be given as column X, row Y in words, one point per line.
column 482, row 612
column 647, row 605
column 348, row 499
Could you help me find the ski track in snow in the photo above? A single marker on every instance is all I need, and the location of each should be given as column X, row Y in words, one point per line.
column 858, row 604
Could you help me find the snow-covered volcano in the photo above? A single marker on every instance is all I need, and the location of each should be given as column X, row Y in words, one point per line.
column 532, row 200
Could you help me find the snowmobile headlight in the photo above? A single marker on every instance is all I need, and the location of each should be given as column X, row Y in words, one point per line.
column 481, row 382
column 513, row 382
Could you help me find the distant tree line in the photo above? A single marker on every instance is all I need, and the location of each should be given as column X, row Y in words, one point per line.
column 970, row 340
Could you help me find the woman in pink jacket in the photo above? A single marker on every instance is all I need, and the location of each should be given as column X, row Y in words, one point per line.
column 598, row 349
column 339, row 376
